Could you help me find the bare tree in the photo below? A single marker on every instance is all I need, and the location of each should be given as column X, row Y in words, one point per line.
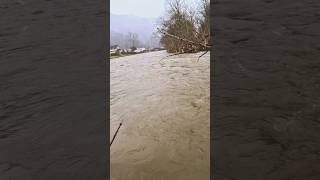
column 182, row 30
column 204, row 30
column 133, row 40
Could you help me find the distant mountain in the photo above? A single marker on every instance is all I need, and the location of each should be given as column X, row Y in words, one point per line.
column 121, row 25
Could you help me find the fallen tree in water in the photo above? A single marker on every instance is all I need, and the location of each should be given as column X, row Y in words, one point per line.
column 185, row 30
column 192, row 46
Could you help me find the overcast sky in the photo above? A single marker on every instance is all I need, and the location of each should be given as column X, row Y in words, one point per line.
column 142, row 8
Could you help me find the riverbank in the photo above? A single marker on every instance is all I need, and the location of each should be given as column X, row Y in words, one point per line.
column 119, row 56
column 113, row 56
column 164, row 106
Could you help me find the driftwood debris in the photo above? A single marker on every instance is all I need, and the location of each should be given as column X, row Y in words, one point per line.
column 205, row 46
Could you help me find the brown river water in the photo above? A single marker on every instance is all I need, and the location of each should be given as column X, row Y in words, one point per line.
column 165, row 109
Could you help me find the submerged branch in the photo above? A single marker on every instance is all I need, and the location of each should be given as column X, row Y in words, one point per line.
column 202, row 55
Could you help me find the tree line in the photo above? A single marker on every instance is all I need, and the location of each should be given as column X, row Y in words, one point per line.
column 132, row 40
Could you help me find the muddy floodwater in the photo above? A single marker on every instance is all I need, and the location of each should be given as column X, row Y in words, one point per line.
column 165, row 109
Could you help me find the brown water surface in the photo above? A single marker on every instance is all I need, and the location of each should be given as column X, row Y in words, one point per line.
column 164, row 107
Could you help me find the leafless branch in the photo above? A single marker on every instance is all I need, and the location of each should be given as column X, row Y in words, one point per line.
column 207, row 46
column 202, row 55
